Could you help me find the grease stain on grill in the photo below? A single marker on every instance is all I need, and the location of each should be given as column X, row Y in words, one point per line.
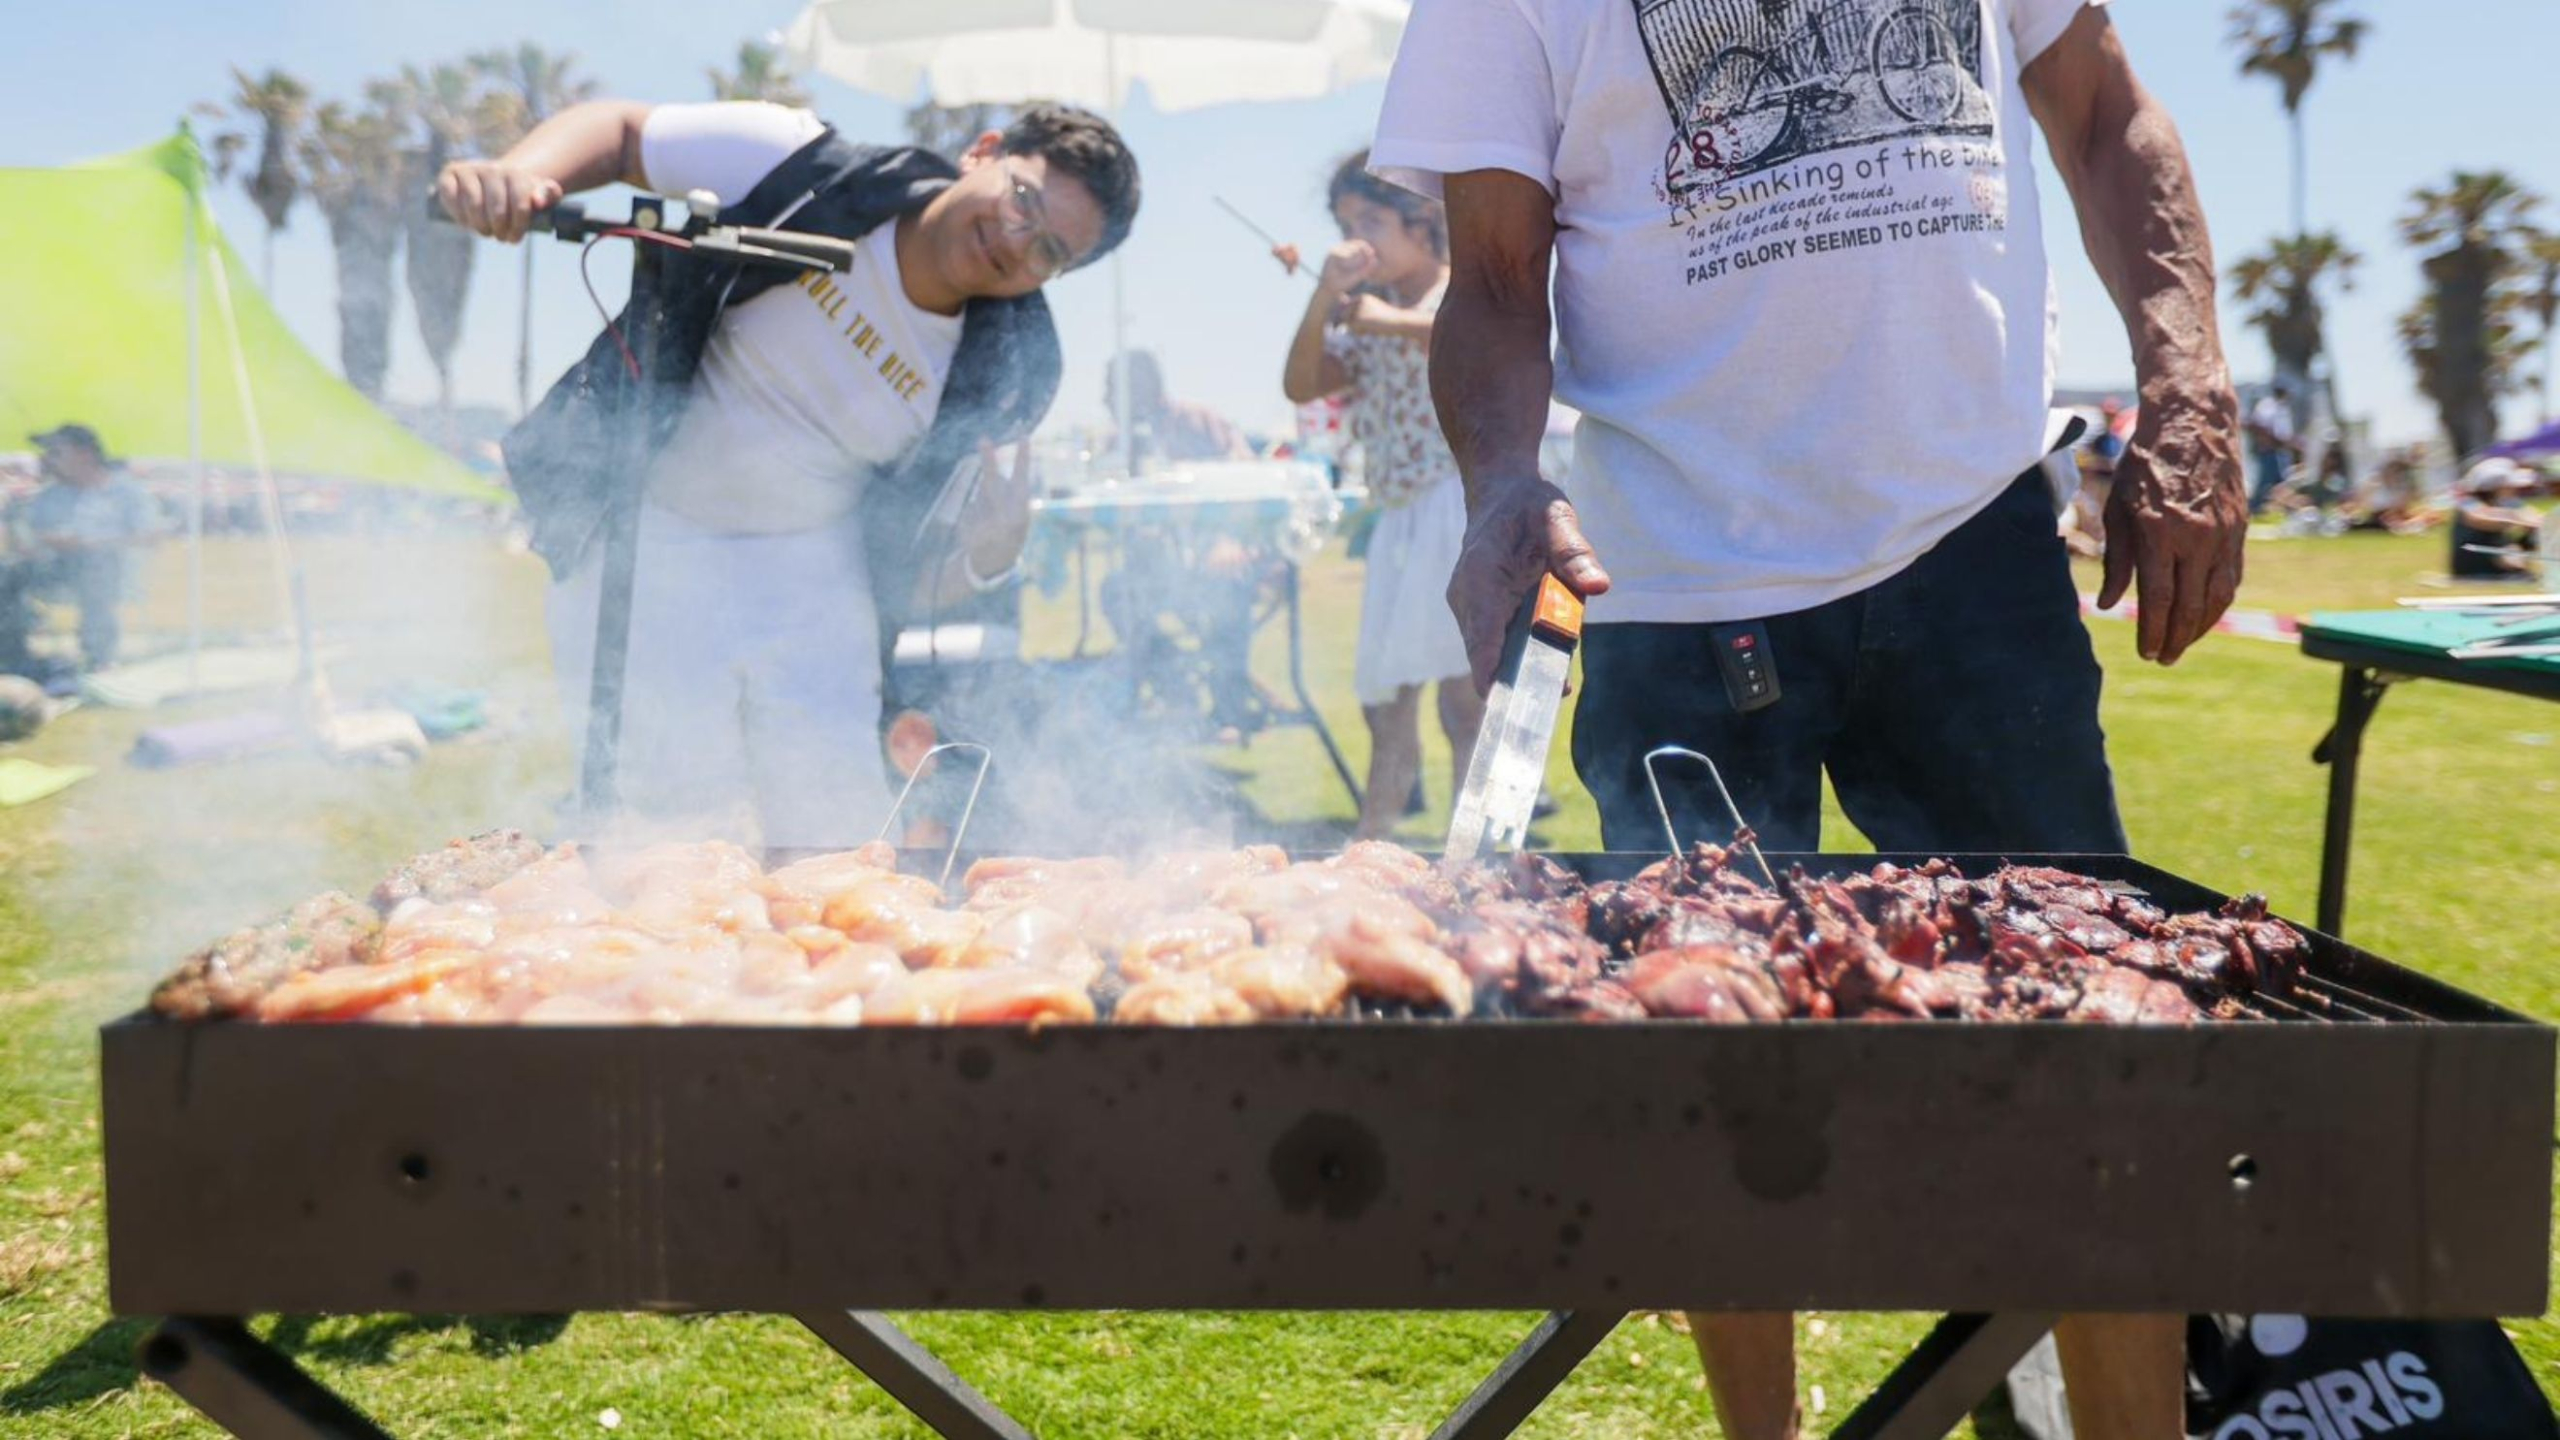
column 977, row 1062
column 1779, row 1128
column 404, row 1282
column 1033, row 1295
column 414, row 1174
column 1330, row 1162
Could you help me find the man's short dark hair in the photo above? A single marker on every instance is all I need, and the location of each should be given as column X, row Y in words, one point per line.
column 1082, row 144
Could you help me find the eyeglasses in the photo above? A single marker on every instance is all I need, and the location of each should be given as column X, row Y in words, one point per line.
column 1027, row 218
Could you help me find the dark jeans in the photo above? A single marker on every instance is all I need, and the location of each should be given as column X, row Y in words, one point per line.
column 1955, row 706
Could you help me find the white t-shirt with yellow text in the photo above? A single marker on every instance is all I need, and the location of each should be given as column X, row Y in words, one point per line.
column 808, row 387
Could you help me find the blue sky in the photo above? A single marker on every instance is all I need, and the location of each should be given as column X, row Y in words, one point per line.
column 2450, row 83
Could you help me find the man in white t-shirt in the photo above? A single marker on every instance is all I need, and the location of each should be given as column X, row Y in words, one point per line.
column 1800, row 298
column 752, row 699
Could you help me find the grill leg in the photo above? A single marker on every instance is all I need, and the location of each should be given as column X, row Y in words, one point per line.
column 1937, row 1385
column 245, row 1386
column 947, row 1404
column 1298, row 686
column 1528, row 1375
column 2359, row 695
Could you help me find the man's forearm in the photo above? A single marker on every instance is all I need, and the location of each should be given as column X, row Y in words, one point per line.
column 585, row 146
column 2145, row 233
column 1491, row 375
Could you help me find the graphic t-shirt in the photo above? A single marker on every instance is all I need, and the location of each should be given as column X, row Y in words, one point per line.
column 1391, row 412
column 808, row 387
column 1800, row 292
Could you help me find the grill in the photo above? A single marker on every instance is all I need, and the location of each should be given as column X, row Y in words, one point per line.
column 2379, row 1145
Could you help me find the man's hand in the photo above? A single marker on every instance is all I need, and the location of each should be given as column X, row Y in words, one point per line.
column 494, row 198
column 1517, row 532
column 997, row 520
column 2176, row 522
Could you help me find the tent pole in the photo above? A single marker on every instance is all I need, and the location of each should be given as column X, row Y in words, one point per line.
column 195, row 450
column 1119, row 287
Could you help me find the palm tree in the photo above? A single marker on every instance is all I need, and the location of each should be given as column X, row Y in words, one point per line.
column 528, row 85
column 2467, row 334
column 275, row 106
column 2544, row 251
column 2285, row 40
column 359, row 174
column 444, row 104
column 2281, row 285
column 762, row 74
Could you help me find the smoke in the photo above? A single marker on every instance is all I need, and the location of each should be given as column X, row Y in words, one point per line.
column 135, row 867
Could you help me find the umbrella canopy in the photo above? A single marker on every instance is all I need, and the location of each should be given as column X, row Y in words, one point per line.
column 1188, row 53
column 2545, row 441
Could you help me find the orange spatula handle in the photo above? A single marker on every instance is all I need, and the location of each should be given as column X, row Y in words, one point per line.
column 1559, row 611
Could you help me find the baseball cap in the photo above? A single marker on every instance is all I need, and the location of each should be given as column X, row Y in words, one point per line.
column 2495, row 473
column 73, row 434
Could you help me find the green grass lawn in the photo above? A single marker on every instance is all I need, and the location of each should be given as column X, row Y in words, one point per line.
column 100, row 888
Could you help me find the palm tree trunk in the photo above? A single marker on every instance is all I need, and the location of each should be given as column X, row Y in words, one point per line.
column 2550, row 357
column 2301, row 177
column 267, row 265
column 524, row 339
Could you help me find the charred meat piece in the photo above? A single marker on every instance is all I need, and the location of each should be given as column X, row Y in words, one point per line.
column 1703, row 982
column 2119, row 996
column 1596, row 1001
column 229, row 976
column 462, row 869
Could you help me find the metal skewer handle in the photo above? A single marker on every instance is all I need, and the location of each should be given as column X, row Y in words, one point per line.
column 959, row 831
column 1742, row 835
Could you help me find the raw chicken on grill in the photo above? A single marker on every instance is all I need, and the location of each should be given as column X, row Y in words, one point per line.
column 495, row 930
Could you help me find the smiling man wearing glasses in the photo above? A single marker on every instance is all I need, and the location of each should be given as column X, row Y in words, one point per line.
column 823, row 449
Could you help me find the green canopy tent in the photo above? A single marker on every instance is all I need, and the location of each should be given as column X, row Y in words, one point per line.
column 123, row 308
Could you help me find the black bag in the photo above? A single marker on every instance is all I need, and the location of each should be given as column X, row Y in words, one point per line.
column 2282, row 1377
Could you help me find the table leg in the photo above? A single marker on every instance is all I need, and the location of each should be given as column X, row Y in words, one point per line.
column 2360, row 692
column 1084, row 595
column 1298, row 684
column 1528, row 1375
column 947, row 1404
column 1939, row 1383
column 245, row 1386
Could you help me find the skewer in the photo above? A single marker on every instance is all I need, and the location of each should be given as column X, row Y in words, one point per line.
column 960, row 830
column 1742, row 835
column 1268, row 238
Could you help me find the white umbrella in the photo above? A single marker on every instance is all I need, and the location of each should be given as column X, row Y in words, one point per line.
column 1189, row 53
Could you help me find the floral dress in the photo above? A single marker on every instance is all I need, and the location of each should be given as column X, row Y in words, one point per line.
column 1407, row 635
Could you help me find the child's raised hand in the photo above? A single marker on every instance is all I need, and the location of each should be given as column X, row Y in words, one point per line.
column 1346, row 265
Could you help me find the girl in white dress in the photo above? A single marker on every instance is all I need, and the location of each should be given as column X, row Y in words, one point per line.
column 1367, row 337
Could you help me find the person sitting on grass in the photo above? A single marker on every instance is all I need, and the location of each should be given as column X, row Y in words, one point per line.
column 2492, row 531
column 82, row 530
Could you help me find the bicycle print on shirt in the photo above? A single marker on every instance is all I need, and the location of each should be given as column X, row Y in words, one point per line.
column 1754, row 84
